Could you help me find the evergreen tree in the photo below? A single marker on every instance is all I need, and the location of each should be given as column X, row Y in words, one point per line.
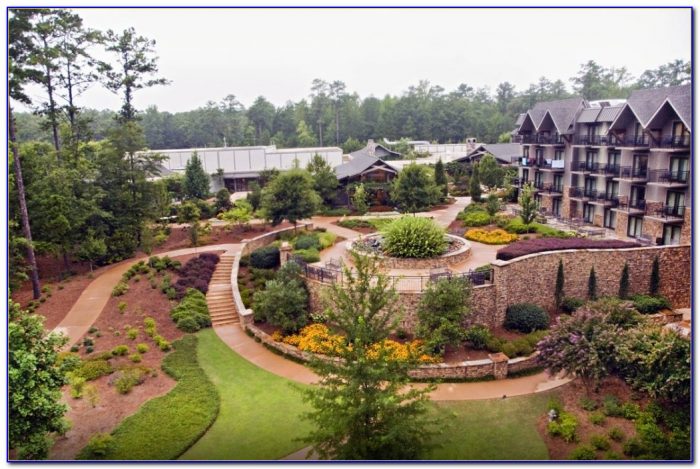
column 490, row 172
column 223, row 200
column 190, row 213
column 441, row 179
column 254, row 197
column 475, row 184
column 592, row 285
column 364, row 407
column 196, row 183
column 623, row 292
column 559, row 287
column 655, row 279
column 325, row 181
column 414, row 190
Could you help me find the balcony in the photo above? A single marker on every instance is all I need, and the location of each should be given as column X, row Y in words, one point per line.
column 550, row 140
column 552, row 165
column 674, row 141
column 579, row 193
column 608, row 170
column 595, row 140
column 604, row 198
column 669, row 212
column 635, row 206
column 634, row 174
column 634, row 141
column 582, row 166
column 669, row 178
column 548, row 188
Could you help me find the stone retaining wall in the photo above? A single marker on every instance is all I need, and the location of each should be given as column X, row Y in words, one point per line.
column 451, row 258
column 496, row 365
column 246, row 315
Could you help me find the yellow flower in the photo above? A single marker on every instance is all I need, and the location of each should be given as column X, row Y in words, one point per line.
column 497, row 236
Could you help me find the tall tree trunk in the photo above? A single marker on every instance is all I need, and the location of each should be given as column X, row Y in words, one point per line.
column 52, row 104
column 337, row 125
column 26, row 229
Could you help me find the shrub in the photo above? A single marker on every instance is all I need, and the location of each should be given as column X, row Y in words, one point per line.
column 588, row 404
column 633, row 447
column 649, row 304
column 120, row 288
column 597, row 418
column 441, row 313
column 93, row 369
column 92, row 330
column 570, row 304
column 583, row 452
column 496, row 236
column 478, row 336
column 135, row 357
column 308, row 255
column 162, row 344
column 267, row 257
column 526, row 317
column 192, row 314
column 75, row 348
column 555, row 404
column 77, row 383
column 612, row 455
column 87, row 341
column 564, row 426
column 616, row 434
column 326, row 240
column 494, row 344
column 655, row 278
column 611, row 406
column 132, row 333
column 120, row 350
column 600, row 442
column 306, row 241
column 126, row 379
column 630, row 410
column 89, row 349
column 99, row 447
column 508, row 349
column 284, row 302
column 142, row 348
column 524, row 248
column 122, row 306
column 476, row 219
column 522, row 347
column 414, row 237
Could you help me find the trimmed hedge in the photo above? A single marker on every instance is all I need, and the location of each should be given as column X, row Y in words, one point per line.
column 192, row 314
column 532, row 246
column 267, row 257
column 476, row 219
column 165, row 427
column 649, row 304
column 526, row 317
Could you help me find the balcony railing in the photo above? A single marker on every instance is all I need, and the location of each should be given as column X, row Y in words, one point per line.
column 555, row 165
column 550, row 139
column 579, row 193
column 638, row 205
column 665, row 176
column 551, row 188
column 630, row 172
column 670, row 211
column 674, row 141
column 634, row 141
column 605, row 198
column 583, row 166
column 607, row 169
column 595, row 140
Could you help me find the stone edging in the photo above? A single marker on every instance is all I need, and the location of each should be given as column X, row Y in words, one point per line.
column 497, row 365
column 249, row 245
column 450, row 258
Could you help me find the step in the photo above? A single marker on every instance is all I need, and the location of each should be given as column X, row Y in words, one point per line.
column 219, row 300
column 222, row 308
column 226, row 323
column 221, row 316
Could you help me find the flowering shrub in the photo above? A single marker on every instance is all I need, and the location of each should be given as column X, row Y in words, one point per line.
column 196, row 273
column 317, row 338
column 496, row 236
column 523, row 248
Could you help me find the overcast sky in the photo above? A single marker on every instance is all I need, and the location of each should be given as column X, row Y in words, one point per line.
column 211, row 53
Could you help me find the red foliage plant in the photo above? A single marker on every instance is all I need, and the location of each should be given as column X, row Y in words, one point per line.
column 532, row 246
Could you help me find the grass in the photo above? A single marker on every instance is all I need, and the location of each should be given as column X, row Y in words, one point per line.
column 493, row 429
column 166, row 426
column 260, row 412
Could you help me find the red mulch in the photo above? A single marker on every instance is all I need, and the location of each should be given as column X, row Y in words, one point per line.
column 456, row 228
column 381, row 208
column 461, row 354
column 179, row 236
column 55, row 308
column 142, row 301
column 570, row 396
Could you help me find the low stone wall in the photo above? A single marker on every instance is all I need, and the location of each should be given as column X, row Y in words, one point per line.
column 246, row 315
column 497, row 365
column 451, row 258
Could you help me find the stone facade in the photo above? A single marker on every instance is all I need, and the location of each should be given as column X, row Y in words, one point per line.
column 621, row 226
column 598, row 219
column 686, row 232
column 653, row 228
column 455, row 257
column 566, row 205
column 546, row 203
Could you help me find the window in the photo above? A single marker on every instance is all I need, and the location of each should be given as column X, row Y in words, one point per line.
column 591, row 159
column 589, row 185
column 613, row 158
column 558, row 182
column 526, row 175
column 634, row 227
column 679, row 129
column 526, row 152
column 556, row 207
column 679, row 169
column 538, row 178
column 639, row 165
column 610, row 218
column 675, row 203
column 588, row 211
column 637, row 193
column 672, row 235
column 558, row 155
column 612, row 189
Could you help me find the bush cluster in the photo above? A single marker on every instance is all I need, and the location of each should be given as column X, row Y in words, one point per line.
column 308, row 255
column 570, row 304
column 99, row 447
column 160, row 264
column 649, row 304
column 125, row 379
column 196, row 273
column 475, row 219
column 497, row 236
column 267, row 257
column 565, row 426
column 526, row 317
column 532, row 246
column 120, row 288
column 414, row 237
column 480, row 337
column 284, row 301
column 192, row 314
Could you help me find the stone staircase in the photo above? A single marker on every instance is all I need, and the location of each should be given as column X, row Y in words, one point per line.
column 220, row 296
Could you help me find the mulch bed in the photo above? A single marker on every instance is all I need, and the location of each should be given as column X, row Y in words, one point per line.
column 570, row 395
column 179, row 236
column 142, row 301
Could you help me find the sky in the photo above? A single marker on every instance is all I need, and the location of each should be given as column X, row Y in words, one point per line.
column 211, row 53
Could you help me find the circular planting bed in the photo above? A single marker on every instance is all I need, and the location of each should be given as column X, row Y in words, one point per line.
column 458, row 251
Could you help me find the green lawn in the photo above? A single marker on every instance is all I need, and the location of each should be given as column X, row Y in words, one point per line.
column 493, row 429
column 259, row 415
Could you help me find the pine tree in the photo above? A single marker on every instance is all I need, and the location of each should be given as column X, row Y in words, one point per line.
column 592, row 285
column 475, row 184
column 654, row 280
column 623, row 292
column 196, row 184
column 441, row 178
column 559, row 287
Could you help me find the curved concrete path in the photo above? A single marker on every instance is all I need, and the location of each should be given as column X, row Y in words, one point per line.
column 95, row 296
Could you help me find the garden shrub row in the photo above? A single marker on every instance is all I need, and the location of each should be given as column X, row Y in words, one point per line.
column 267, row 257
column 196, row 274
column 165, row 427
column 480, row 338
column 192, row 314
column 532, row 246
column 497, row 236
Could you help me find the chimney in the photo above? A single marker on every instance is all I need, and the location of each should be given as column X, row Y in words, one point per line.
column 471, row 144
column 371, row 146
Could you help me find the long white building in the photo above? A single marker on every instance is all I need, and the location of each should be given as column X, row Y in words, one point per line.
column 241, row 165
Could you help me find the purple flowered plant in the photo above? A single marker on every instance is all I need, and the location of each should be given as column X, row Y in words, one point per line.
column 532, row 246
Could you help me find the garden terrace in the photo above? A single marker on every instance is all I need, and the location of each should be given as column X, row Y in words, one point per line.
column 532, row 246
column 459, row 251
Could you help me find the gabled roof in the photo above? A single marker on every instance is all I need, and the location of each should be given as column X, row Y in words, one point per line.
column 588, row 115
column 608, row 114
column 562, row 111
column 360, row 163
column 645, row 103
column 501, row 151
column 519, row 120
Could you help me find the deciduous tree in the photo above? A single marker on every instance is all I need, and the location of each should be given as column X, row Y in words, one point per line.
column 290, row 196
column 414, row 190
